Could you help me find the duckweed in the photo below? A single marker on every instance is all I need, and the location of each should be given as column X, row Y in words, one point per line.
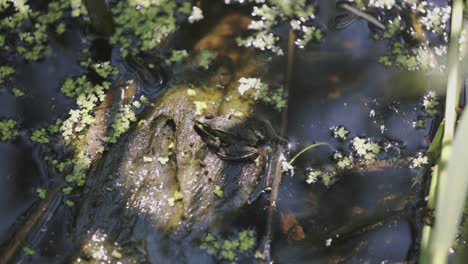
column 40, row 136
column 41, row 193
column 142, row 25
column 343, row 161
column 29, row 29
column 271, row 14
column 205, row 58
column 419, row 161
column 28, row 251
column 69, row 203
column 147, row 159
column 261, row 91
column 8, row 129
column 67, row 190
column 340, row 132
column 116, row 254
column 393, row 27
column 327, row 176
column 200, row 107
column 431, row 103
column 105, row 70
column 230, row 249
column 163, row 160
column 178, row 196
column 191, row 92
column 176, row 56
column 17, row 92
column 5, row 72
column 121, row 123
column 365, row 148
column 218, row 191
column 196, row 15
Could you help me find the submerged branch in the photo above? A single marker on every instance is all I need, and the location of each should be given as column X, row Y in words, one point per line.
column 39, row 217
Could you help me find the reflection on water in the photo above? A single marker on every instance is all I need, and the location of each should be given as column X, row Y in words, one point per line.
column 364, row 216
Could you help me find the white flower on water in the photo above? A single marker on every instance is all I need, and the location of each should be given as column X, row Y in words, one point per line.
column 431, row 103
column 365, row 148
column 388, row 4
column 419, row 161
column 257, row 25
column 295, row 24
column 196, row 15
column 313, row 176
column 286, row 166
column 246, row 84
column 340, row 132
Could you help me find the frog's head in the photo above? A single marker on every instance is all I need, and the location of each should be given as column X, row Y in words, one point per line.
column 212, row 127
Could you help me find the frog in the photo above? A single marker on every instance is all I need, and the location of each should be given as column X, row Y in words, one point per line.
column 235, row 139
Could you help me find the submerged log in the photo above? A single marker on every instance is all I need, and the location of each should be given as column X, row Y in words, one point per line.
column 100, row 15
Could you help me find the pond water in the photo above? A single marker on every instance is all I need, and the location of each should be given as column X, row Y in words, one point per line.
column 371, row 215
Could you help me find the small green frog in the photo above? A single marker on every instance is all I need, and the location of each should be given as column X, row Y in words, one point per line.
column 233, row 139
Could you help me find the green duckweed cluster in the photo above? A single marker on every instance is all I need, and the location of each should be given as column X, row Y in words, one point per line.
column 230, row 249
column 428, row 17
column 328, row 177
column 26, row 31
column 142, row 25
column 263, row 92
column 40, row 136
column 8, row 129
column 218, row 191
column 41, row 193
column 28, row 251
column 5, row 73
column 87, row 96
column 178, row 196
column 77, row 8
column 271, row 14
column 105, row 70
column 121, row 123
column 400, row 56
column 275, row 97
column 431, row 103
column 176, row 56
column 205, row 58
column 17, row 92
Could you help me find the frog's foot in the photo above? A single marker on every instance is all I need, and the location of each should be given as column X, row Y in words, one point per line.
column 257, row 194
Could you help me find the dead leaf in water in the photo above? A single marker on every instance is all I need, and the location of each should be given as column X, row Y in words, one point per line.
column 291, row 227
column 222, row 39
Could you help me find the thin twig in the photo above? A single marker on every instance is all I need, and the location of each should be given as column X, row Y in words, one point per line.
column 362, row 14
column 287, row 83
column 277, row 156
column 277, row 172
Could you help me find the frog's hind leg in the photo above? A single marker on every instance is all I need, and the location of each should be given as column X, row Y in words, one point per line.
column 265, row 181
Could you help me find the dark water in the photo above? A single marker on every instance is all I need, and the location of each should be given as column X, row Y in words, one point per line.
column 369, row 216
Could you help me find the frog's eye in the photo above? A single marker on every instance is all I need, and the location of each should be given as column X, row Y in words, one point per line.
column 209, row 116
